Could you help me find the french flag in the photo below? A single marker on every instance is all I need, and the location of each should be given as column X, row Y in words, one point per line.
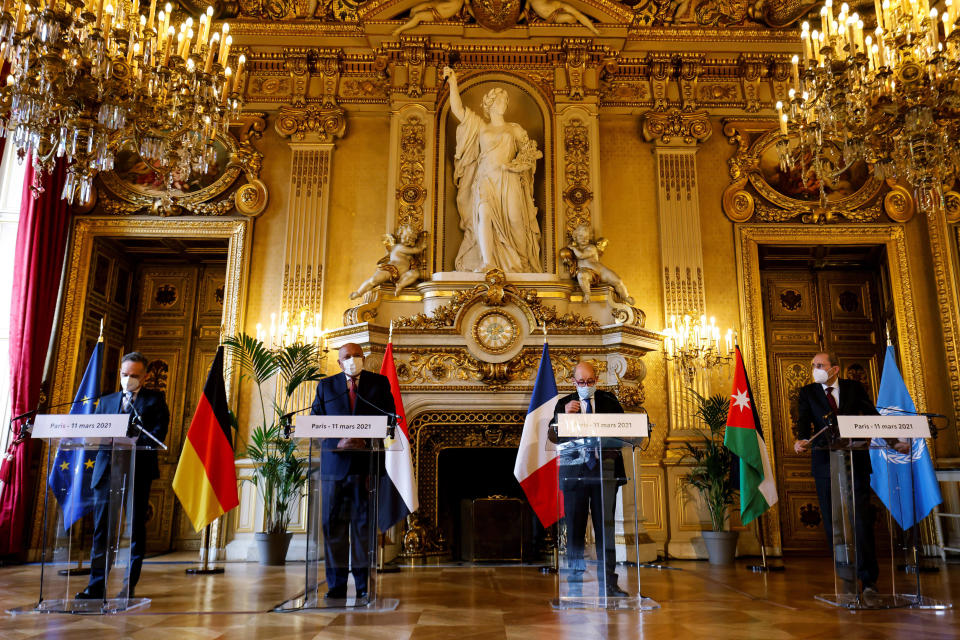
column 536, row 466
column 398, row 494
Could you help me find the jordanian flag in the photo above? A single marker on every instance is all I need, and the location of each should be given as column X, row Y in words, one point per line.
column 758, row 489
column 206, row 477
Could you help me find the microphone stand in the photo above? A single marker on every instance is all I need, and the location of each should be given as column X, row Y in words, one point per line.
column 137, row 418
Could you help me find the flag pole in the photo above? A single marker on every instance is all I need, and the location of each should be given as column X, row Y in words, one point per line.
column 205, row 569
column 382, row 546
column 555, row 555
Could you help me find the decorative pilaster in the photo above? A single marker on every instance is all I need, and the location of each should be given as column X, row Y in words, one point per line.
column 312, row 123
column 578, row 175
column 675, row 136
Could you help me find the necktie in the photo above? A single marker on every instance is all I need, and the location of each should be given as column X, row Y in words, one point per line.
column 831, row 400
column 591, row 454
column 352, row 388
column 127, row 402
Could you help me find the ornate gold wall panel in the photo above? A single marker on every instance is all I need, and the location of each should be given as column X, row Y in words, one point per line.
column 945, row 251
column 749, row 237
column 78, row 286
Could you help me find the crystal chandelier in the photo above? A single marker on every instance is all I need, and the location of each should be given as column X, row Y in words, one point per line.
column 304, row 328
column 695, row 346
column 888, row 98
column 89, row 75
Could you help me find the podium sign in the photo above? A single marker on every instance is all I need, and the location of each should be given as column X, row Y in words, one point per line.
column 602, row 425
column 102, row 425
column 883, row 427
column 340, row 427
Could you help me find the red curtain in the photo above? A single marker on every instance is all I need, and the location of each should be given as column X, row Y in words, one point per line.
column 38, row 262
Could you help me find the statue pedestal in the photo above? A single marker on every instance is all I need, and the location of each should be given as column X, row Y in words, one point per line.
column 512, row 278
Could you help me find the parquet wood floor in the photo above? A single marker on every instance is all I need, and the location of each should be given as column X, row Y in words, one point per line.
column 481, row 603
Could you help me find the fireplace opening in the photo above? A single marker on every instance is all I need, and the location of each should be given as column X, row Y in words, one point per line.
column 481, row 508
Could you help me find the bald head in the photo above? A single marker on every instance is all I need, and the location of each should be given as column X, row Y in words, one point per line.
column 350, row 358
column 584, row 373
column 349, row 350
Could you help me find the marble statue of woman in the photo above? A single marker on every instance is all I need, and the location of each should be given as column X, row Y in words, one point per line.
column 493, row 172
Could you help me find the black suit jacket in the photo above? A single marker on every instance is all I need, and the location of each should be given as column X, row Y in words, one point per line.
column 152, row 406
column 332, row 399
column 603, row 402
column 814, row 413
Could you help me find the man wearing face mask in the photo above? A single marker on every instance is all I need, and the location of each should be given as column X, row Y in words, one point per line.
column 148, row 409
column 818, row 404
column 345, row 471
column 590, row 482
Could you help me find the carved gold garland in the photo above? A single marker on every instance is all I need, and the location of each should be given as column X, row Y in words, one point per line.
column 750, row 196
column 116, row 196
column 577, row 195
column 411, row 193
column 493, row 292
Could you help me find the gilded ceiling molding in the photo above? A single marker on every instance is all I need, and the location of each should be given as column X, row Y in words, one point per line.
column 676, row 126
column 313, row 122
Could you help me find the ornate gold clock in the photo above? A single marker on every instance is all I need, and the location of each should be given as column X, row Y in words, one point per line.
column 496, row 331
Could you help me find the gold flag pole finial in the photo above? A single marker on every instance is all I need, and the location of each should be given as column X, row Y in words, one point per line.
column 544, row 332
column 390, row 337
column 100, row 339
column 220, row 336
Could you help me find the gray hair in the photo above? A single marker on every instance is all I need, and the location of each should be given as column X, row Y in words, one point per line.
column 135, row 356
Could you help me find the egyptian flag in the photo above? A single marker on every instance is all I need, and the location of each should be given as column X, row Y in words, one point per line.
column 206, row 477
column 744, row 437
column 398, row 493
column 536, row 467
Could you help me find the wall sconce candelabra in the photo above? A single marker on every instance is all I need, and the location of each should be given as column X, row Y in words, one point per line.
column 890, row 98
column 694, row 346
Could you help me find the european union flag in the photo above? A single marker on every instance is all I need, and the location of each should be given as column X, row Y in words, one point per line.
column 905, row 482
column 72, row 471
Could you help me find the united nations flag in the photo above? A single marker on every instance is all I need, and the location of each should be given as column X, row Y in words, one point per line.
column 72, row 469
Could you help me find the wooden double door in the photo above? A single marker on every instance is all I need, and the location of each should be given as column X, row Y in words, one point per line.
column 807, row 310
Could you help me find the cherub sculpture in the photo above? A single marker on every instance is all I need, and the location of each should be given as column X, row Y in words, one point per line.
column 560, row 12
column 400, row 265
column 430, row 11
column 582, row 258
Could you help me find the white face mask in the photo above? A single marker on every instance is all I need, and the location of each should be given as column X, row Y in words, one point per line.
column 130, row 384
column 820, row 376
column 586, row 392
column 352, row 366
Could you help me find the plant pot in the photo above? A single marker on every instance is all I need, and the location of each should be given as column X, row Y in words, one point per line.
column 721, row 546
column 273, row 547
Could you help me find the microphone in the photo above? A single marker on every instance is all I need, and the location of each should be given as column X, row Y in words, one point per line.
column 394, row 418
column 137, row 421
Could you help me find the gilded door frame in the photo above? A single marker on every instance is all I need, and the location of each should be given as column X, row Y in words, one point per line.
column 748, row 238
column 83, row 235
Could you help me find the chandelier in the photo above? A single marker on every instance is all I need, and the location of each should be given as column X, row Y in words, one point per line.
column 87, row 76
column 304, row 328
column 887, row 98
column 695, row 346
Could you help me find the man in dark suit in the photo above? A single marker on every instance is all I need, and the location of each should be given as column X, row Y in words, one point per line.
column 345, row 471
column 147, row 409
column 590, row 482
column 818, row 405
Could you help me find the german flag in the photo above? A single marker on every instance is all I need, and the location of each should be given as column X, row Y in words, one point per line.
column 206, row 477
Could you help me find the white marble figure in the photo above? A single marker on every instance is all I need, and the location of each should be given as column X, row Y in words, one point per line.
column 431, row 11
column 559, row 12
column 398, row 266
column 587, row 254
column 493, row 171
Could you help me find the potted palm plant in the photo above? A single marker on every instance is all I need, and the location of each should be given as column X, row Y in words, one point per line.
column 279, row 473
column 710, row 475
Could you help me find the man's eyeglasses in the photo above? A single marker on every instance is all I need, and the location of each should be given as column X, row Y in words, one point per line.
column 585, row 383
